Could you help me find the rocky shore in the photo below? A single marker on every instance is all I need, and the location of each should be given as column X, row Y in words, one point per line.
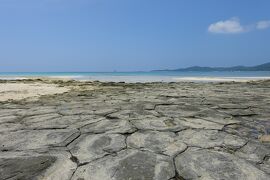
column 140, row 131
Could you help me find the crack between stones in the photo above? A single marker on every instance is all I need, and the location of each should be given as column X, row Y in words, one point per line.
column 265, row 158
column 89, row 124
column 177, row 176
column 73, row 138
column 73, row 158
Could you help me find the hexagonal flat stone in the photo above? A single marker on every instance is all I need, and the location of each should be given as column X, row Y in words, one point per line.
column 159, row 142
column 24, row 168
column 238, row 112
column 35, row 139
column 132, row 113
column 199, row 123
column 39, row 118
column 158, row 123
column 98, row 108
column 73, row 121
column 184, row 110
column 210, row 138
column 9, row 112
column 21, row 165
column 90, row 147
column 37, row 110
column 265, row 165
column 216, row 116
column 207, row 164
column 7, row 127
column 232, row 106
column 109, row 126
column 8, row 119
column 254, row 152
column 128, row 164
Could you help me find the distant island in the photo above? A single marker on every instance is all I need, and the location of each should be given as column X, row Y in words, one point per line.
column 262, row 67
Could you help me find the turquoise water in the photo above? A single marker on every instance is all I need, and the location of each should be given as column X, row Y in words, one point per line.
column 136, row 76
column 152, row 73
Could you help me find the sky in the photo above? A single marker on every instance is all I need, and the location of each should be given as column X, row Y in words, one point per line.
column 131, row 35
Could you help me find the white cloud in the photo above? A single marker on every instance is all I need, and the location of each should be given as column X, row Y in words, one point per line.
column 263, row 25
column 231, row 26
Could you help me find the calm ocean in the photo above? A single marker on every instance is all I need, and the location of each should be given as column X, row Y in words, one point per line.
column 141, row 76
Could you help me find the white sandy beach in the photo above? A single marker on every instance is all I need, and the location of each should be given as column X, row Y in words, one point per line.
column 17, row 91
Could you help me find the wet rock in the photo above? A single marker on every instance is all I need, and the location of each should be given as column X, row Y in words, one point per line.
column 207, row 164
column 128, row 164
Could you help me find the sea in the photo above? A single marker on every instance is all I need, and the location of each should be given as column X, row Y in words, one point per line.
column 151, row 76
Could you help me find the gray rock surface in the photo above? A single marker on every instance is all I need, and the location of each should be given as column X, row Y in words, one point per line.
column 109, row 126
column 158, row 124
column 40, row 166
column 138, row 131
column 158, row 142
column 254, row 152
column 210, row 139
column 199, row 123
column 209, row 164
column 32, row 139
column 24, row 168
column 90, row 147
column 128, row 164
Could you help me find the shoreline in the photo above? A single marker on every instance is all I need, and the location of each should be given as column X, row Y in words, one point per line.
column 143, row 79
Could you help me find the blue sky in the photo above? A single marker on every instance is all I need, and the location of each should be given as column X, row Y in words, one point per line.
column 130, row 35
